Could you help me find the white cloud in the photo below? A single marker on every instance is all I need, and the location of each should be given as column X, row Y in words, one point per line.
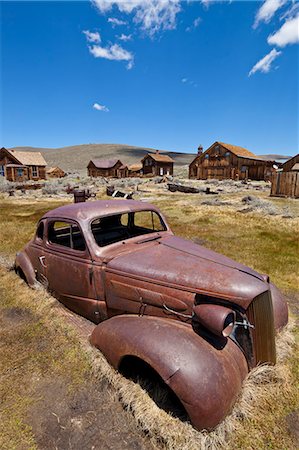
column 116, row 22
column 151, row 15
column 184, row 80
column 267, row 11
column 264, row 64
column 287, row 34
column 194, row 25
column 92, row 36
column 113, row 52
column 99, row 107
column 125, row 37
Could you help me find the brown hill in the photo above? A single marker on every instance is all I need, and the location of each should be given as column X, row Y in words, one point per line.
column 76, row 158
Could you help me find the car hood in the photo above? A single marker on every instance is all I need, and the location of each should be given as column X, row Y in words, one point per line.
column 176, row 262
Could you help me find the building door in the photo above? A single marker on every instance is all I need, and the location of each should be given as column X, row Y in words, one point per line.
column 161, row 171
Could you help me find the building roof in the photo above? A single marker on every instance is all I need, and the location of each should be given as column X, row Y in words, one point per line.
column 159, row 158
column 123, row 167
column 238, row 151
column 104, row 163
column 294, row 158
column 28, row 158
column 295, row 167
column 135, row 167
column 53, row 169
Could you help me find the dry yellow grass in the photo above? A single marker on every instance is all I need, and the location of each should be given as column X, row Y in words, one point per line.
column 270, row 394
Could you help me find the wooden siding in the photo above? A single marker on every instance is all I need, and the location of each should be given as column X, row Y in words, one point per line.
column 156, row 168
column 93, row 171
column 220, row 163
column 285, row 184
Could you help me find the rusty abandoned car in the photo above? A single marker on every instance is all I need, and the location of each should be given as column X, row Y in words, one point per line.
column 200, row 320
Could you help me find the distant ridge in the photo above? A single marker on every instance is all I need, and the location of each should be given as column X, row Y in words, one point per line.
column 75, row 158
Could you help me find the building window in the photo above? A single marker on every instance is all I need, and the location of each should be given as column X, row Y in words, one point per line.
column 19, row 172
column 227, row 154
column 207, row 156
column 34, row 171
column 2, row 172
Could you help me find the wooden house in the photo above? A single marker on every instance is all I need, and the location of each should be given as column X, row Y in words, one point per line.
column 104, row 168
column 285, row 183
column 222, row 161
column 123, row 171
column 157, row 164
column 55, row 172
column 135, row 170
column 22, row 166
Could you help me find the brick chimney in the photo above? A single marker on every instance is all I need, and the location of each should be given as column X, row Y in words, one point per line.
column 200, row 149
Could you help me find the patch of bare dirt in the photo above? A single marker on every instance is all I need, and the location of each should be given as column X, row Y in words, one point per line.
column 292, row 421
column 89, row 418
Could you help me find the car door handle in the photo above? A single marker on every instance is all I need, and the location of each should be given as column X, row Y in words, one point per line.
column 42, row 261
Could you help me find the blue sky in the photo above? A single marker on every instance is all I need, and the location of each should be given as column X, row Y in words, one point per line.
column 161, row 74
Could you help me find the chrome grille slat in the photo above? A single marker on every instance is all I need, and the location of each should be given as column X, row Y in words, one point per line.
column 260, row 314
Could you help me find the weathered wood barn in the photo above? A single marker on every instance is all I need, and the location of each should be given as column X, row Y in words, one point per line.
column 104, row 168
column 55, row 172
column 157, row 164
column 285, row 183
column 221, row 161
column 22, row 166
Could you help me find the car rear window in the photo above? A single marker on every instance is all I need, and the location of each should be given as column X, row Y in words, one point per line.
column 110, row 229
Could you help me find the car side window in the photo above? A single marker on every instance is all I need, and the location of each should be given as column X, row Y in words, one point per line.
column 147, row 222
column 66, row 234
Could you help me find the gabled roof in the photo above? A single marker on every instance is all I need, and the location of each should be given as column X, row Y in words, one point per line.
column 236, row 150
column 104, row 163
column 295, row 166
column 53, row 169
column 135, row 167
column 294, row 158
column 27, row 158
column 159, row 158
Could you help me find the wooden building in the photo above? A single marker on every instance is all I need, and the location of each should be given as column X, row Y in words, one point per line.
column 104, row 168
column 55, row 172
column 222, row 161
column 157, row 164
column 291, row 164
column 123, row 171
column 22, row 166
column 135, row 170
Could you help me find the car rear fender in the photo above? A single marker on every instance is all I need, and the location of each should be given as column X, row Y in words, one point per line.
column 23, row 262
column 206, row 378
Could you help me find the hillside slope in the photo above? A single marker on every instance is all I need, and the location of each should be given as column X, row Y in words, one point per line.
column 76, row 158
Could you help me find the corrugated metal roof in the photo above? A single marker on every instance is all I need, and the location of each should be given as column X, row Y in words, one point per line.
column 28, row 158
column 104, row 163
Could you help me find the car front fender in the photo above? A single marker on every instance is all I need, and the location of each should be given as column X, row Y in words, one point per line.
column 206, row 378
column 23, row 262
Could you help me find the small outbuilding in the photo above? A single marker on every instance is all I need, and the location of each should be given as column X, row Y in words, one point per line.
column 135, row 170
column 55, row 172
column 123, row 171
column 285, row 183
column 104, row 168
column 22, row 166
column 222, row 161
column 157, row 164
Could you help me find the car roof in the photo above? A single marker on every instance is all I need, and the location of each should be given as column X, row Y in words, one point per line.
column 87, row 211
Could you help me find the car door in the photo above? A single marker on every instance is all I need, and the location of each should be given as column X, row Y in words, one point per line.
column 35, row 252
column 69, row 267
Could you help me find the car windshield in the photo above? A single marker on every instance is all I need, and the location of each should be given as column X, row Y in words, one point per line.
column 110, row 229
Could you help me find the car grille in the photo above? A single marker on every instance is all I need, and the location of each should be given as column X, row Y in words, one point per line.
column 260, row 314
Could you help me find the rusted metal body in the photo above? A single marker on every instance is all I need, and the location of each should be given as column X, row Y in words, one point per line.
column 198, row 318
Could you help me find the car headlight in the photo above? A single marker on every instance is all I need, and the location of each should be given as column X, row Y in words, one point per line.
column 217, row 319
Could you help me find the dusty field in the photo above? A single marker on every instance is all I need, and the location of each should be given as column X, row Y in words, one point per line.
column 56, row 392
